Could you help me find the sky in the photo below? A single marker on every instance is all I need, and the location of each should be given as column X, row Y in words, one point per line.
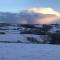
column 17, row 5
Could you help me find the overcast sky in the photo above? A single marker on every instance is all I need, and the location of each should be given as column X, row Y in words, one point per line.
column 17, row 5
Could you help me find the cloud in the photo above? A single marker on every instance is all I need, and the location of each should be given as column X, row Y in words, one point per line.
column 32, row 16
column 46, row 20
column 45, row 11
column 47, row 15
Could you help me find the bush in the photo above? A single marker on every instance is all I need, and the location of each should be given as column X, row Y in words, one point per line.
column 55, row 38
column 33, row 40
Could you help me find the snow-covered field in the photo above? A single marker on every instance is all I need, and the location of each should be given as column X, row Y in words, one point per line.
column 19, row 51
column 23, row 51
column 22, row 37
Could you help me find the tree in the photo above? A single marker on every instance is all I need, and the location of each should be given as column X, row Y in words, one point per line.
column 55, row 38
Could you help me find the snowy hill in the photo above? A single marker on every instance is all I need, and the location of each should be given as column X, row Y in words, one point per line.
column 25, row 33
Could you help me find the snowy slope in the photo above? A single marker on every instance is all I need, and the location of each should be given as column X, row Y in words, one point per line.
column 29, row 52
column 12, row 33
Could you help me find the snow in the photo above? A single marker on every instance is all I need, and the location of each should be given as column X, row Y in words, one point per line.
column 16, row 51
column 23, row 51
column 12, row 36
column 12, row 32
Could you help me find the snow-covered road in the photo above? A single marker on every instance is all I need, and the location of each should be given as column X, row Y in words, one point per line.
column 17, row 51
